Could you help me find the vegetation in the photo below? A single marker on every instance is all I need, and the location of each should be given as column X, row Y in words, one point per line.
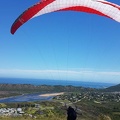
column 52, row 110
column 90, row 104
column 114, row 88
column 7, row 90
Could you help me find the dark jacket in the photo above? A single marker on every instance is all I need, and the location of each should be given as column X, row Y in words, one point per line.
column 71, row 114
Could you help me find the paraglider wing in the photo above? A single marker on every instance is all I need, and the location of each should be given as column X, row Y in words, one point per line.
column 28, row 14
column 100, row 7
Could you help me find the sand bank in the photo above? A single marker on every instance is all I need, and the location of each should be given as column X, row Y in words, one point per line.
column 51, row 94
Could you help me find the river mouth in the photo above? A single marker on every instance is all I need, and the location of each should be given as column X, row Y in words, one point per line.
column 26, row 98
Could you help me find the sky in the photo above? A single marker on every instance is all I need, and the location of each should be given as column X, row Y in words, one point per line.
column 59, row 46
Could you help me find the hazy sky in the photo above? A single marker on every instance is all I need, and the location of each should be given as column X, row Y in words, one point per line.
column 59, row 45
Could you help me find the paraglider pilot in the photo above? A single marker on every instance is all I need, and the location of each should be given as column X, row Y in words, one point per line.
column 71, row 114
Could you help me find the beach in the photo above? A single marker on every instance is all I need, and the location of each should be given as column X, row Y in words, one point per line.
column 51, row 94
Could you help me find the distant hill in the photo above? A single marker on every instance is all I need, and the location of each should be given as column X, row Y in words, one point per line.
column 41, row 88
column 114, row 88
column 7, row 90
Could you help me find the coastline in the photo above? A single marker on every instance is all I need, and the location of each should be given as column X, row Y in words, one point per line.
column 51, row 94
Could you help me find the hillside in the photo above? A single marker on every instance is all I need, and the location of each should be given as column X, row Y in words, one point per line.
column 115, row 88
column 40, row 88
column 91, row 104
column 7, row 90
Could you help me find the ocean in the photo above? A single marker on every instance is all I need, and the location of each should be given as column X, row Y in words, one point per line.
column 55, row 82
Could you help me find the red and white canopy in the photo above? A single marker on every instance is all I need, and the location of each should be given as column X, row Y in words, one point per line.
column 100, row 7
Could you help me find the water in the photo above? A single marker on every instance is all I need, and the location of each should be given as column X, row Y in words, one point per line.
column 54, row 82
column 26, row 98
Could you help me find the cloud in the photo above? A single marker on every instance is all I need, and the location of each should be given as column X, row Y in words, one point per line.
column 81, row 75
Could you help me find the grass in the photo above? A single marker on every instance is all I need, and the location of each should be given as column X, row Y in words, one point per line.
column 28, row 118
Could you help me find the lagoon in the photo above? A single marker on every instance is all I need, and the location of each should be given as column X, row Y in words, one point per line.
column 26, row 98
